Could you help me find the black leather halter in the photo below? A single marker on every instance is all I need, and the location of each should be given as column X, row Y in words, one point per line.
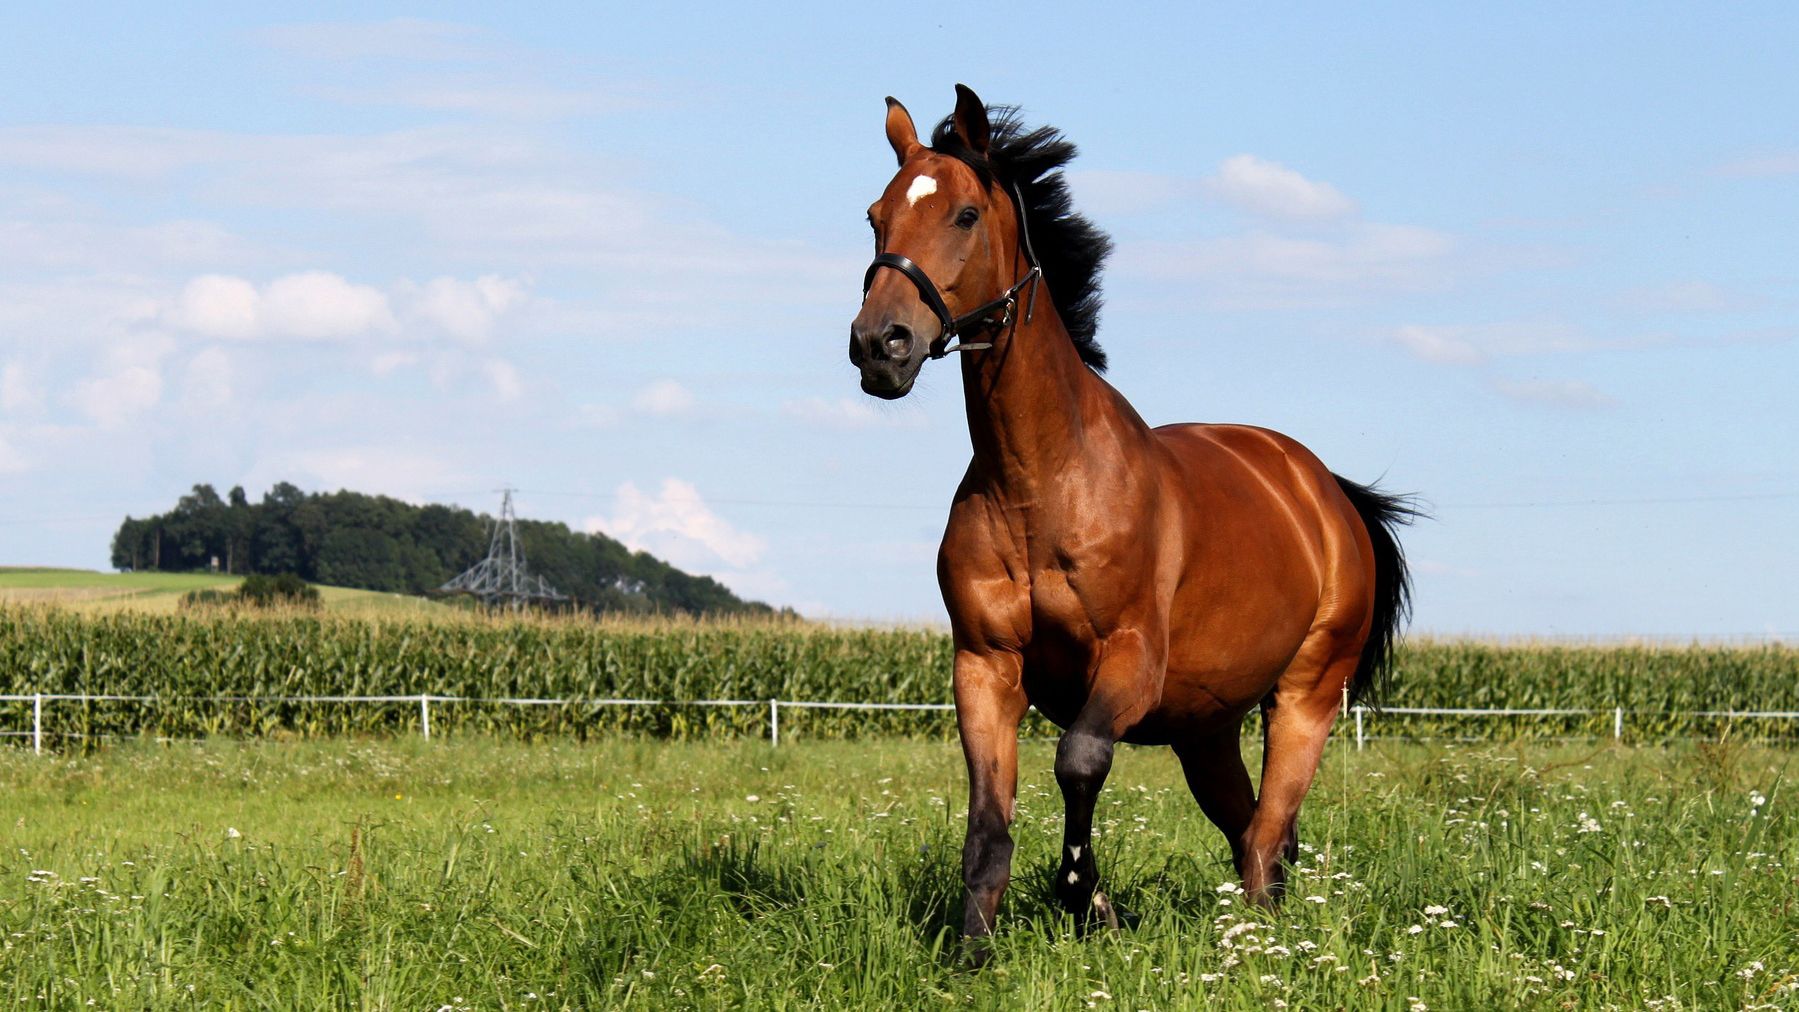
column 933, row 300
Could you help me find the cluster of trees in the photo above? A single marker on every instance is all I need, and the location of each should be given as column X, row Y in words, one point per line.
column 260, row 590
column 348, row 539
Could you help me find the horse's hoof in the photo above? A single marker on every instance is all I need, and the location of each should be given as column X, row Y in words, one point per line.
column 976, row 951
column 1102, row 909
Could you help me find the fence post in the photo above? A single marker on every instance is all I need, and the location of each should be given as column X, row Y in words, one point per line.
column 425, row 715
column 774, row 723
column 1358, row 729
column 37, row 723
column 1618, row 724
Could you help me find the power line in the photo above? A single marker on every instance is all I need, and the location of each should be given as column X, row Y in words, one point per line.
column 1520, row 504
column 1646, row 501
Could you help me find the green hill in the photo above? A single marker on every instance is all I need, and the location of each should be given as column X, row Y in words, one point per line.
column 369, row 542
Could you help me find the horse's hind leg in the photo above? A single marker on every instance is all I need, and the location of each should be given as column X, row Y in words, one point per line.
column 1220, row 783
column 1298, row 724
column 1289, row 849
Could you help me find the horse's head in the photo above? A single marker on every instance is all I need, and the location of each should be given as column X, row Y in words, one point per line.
column 945, row 243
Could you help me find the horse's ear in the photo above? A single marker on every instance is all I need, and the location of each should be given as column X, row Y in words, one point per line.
column 900, row 131
column 971, row 120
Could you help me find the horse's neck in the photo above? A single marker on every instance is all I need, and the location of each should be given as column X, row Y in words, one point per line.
column 1030, row 399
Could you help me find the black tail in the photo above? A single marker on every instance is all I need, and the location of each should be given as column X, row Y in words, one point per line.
column 1382, row 514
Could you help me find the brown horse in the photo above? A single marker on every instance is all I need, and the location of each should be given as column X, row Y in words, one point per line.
column 1147, row 585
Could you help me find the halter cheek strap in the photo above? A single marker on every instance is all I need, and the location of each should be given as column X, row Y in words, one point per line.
column 933, row 300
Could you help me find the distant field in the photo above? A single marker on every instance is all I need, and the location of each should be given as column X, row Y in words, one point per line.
column 376, row 648
column 489, row 874
column 87, row 590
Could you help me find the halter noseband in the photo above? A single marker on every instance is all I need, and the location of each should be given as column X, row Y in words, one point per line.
column 933, row 300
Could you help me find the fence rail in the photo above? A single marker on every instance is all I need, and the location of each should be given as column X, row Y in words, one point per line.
column 425, row 702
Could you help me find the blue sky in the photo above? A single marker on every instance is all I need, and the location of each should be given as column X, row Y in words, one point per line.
column 1537, row 265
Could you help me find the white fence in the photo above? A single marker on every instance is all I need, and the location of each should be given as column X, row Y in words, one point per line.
column 425, row 701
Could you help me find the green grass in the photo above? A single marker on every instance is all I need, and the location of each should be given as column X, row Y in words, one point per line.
column 476, row 873
column 95, row 592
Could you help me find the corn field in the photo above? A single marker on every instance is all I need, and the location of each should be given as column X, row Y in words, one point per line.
column 215, row 674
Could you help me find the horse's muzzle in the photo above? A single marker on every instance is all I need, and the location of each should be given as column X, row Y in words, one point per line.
column 889, row 355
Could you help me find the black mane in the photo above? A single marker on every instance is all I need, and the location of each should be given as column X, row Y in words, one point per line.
column 1069, row 248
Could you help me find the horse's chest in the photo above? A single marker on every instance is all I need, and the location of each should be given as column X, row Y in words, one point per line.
column 1057, row 603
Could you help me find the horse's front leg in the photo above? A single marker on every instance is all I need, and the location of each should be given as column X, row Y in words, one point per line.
column 990, row 702
column 1125, row 686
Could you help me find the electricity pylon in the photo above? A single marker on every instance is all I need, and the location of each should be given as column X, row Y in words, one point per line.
column 502, row 578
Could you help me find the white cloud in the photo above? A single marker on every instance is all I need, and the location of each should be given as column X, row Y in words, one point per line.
column 113, row 398
column 1445, row 345
column 676, row 524
column 505, row 378
column 598, row 416
column 1784, row 164
column 214, row 305
column 480, row 194
column 1561, row 393
column 207, row 380
column 466, row 310
column 411, row 39
column 1268, row 188
column 1474, row 344
column 383, row 470
column 11, row 460
column 484, row 97
column 18, row 394
column 1262, row 269
column 389, row 362
column 322, row 306
column 663, row 398
column 318, row 305
column 846, row 413
column 1107, row 192
column 309, row 306
column 73, row 241
column 1687, row 297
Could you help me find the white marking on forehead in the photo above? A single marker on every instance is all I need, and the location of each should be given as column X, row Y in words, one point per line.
column 922, row 187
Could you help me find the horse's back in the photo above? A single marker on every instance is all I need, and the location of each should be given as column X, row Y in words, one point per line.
column 1223, row 467
column 1275, row 554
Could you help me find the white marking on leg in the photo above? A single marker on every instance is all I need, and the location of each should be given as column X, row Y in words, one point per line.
column 1073, row 877
column 1074, row 853
column 922, row 187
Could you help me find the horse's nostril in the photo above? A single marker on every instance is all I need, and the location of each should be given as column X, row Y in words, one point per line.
column 899, row 341
column 855, row 349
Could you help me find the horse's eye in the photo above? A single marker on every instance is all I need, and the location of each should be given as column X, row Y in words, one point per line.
column 967, row 218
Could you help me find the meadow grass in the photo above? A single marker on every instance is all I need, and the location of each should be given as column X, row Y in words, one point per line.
column 475, row 873
column 95, row 593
